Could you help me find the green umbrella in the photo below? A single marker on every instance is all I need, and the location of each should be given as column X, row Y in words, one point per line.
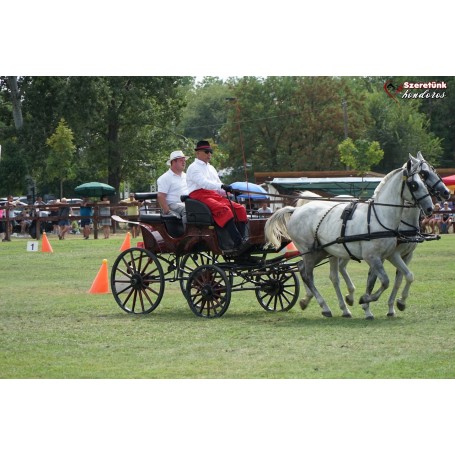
column 93, row 189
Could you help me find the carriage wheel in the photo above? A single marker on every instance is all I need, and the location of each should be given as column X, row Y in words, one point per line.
column 208, row 291
column 137, row 281
column 190, row 262
column 278, row 290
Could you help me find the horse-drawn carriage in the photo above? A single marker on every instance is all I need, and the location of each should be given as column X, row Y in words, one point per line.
column 383, row 227
column 196, row 255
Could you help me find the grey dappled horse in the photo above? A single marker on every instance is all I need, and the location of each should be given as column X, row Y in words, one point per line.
column 320, row 229
column 409, row 227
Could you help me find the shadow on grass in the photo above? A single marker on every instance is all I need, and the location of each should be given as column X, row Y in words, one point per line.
column 279, row 319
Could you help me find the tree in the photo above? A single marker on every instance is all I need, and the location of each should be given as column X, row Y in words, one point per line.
column 121, row 125
column 11, row 82
column 206, row 110
column 60, row 163
column 360, row 155
column 292, row 123
column 401, row 130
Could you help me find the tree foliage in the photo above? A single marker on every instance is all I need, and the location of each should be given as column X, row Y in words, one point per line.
column 124, row 128
column 361, row 154
column 400, row 129
column 291, row 123
column 60, row 161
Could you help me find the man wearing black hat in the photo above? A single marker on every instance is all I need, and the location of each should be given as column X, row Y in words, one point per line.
column 204, row 185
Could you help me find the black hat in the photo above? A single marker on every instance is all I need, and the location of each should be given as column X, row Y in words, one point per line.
column 203, row 145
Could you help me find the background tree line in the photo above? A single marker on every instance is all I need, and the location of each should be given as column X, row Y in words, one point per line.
column 58, row 132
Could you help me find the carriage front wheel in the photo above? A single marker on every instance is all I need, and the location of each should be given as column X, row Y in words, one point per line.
column 208, row 291
column 190, row 262
column 137, row 281
column 277, row 290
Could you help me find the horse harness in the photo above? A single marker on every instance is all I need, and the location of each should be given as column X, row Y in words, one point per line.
column 348, row 212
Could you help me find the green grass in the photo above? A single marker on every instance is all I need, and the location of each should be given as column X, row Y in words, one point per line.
column 50, row 327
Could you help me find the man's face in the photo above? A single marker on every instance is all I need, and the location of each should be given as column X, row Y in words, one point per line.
column 178, row 165
column 203, row 156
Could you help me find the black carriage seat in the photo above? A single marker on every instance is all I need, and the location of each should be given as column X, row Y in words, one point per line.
column 172, row 223
column 197, row 212
column 153, row 196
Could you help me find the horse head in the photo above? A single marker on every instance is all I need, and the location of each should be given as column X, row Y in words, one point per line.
column 414, row 188
column 431, row 178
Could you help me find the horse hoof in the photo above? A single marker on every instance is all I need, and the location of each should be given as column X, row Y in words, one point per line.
column 401, row 306
column 347, row 315
column 303, row 304
column 369, row 318
column 390, row 315
column 327, row 314
column 349, row 300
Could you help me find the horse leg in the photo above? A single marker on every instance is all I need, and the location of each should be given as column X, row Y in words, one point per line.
column 306, row 267
column 376, row 268
column 393, row 294
column 305, row 301
column 335, row 279
column 402, row 271
column 342, row 264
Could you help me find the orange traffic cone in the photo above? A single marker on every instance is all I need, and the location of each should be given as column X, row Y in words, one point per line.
column 126, row 243
column 45, row 245
column 290, row 250
column 100, row 284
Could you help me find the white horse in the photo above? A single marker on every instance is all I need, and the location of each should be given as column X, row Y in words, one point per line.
column 366, row 231
column 410, row 236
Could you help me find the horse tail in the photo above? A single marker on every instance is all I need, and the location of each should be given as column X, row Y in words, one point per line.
column 276, row 226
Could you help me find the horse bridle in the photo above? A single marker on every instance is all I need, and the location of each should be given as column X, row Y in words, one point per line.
column 424, row 174
column 413, row 185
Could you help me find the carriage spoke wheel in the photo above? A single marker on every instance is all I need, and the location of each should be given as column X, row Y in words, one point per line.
column 190, row 262
column 137, row 281
column 278, row 290
column 208, row 291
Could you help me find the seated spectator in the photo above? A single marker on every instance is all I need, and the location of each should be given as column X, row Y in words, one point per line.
column 435, row 219
column 25, row 222
column 264, row 210
column 446, row 219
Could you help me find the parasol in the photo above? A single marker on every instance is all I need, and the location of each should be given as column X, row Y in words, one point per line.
column 449, row 182
column 249, row 190
column 94, row 189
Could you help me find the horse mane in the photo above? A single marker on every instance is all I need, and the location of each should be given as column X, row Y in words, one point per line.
column 385, row 180
column 305, row 194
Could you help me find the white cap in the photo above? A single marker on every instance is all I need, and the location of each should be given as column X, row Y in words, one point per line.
column 175, row 155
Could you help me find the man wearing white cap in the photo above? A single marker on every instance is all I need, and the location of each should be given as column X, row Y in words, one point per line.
column 172, row 184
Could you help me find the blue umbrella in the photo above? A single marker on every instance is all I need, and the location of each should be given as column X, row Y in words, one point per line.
column 249, row 190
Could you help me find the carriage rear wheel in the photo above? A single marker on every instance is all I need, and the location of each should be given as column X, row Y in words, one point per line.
column 278, row 290
column 190, row 262
column 137, row 281
column 208, row 291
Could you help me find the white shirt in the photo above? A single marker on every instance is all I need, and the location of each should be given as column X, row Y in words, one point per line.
column 173, row 186
column 201, row 175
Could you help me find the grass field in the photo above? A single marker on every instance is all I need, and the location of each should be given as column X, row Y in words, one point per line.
column 50, row 327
